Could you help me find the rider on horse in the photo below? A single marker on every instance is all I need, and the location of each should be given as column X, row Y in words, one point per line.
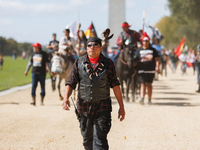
column 126, row 38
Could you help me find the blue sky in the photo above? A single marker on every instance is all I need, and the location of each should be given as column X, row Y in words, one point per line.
column 35, row 21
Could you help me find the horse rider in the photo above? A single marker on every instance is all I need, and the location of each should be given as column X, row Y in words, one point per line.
column 38, row 62
column 95, row 74
column 126, row 38
column 67, row 45
column 147, row 62
column 53, row 45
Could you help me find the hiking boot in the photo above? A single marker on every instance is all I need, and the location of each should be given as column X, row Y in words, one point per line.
column 149, row 102
column 33, row 99
column 141, row 102
column 42, row 100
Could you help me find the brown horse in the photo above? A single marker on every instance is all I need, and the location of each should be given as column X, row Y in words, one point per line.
column 125, row 70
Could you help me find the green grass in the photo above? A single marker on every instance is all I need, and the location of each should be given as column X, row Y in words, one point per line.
column 13, row 73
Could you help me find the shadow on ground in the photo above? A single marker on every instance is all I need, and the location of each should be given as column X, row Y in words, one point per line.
column 182, row 104
column 14, row 103
column 170, row 98
column 175, row 93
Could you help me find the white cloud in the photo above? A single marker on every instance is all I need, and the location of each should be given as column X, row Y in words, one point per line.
column 13, row 8
column 5, row 22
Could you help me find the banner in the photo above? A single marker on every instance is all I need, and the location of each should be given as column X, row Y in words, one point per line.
column 179, row 48
column 90, row 32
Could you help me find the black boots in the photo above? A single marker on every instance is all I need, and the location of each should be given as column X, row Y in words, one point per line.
column 42, row 100
column 33, row 99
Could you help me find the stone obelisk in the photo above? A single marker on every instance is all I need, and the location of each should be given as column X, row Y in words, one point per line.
column 116, row 18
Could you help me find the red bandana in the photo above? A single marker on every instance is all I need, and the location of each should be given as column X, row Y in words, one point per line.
column 93, row 60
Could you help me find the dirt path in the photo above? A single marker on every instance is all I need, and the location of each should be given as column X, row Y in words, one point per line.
column 170, row 123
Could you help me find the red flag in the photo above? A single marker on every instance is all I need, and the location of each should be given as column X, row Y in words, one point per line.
column 189, row 64
column 91, row 31
column 179, row 48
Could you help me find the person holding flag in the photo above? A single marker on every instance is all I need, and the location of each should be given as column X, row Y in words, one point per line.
column 147, row 62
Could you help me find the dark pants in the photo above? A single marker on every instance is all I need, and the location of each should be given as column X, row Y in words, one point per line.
column 94, row 131
column 35, row 79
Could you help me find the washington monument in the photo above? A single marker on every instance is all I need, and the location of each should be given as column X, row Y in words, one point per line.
column 116, row 18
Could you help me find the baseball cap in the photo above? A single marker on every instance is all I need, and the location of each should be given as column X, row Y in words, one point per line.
column 125, row 24
column 94, row 39
column 37, row 45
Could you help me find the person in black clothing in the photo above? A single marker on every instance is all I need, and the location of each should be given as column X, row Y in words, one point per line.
column 147, row 61
column 163, row 58
column 95, row 75
column 53, row 45
column 174, row 59
column 197, row 58
column 38, row 62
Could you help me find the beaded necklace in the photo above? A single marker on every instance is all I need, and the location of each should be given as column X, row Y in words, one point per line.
column 93, row 72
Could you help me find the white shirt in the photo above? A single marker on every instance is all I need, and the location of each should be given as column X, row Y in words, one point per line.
column 64, row 41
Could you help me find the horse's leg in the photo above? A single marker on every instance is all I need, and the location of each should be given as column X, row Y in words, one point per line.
column 60, row 79
column 53, row 83
column 133, row 88
column 122, row 86
column 128, row 81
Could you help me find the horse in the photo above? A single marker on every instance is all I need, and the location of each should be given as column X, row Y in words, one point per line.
column 53, row 78
column 66, row 70
column 125, row 70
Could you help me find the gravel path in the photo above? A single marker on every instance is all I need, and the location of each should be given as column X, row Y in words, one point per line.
column 170, row 123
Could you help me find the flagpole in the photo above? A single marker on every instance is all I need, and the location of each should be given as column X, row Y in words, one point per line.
column 143, row 21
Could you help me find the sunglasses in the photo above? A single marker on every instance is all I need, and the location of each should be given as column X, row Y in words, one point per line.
column 94, row 45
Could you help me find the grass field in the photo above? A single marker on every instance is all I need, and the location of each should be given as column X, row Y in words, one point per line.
column 13, row 73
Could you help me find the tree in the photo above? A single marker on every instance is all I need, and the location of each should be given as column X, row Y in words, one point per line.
column 184, row 21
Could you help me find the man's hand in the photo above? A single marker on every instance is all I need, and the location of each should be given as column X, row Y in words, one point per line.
column 26, row 73
column 157, row 69
column 121, row 114
column 66, row 104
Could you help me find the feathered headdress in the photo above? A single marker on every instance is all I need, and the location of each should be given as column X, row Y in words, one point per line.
column 105, row 35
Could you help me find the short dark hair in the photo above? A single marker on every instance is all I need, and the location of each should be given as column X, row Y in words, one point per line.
column 67, row 30
column 54, row 34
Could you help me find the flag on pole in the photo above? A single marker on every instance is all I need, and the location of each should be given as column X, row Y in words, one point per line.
column 179, row 48
column 156, row 34
column 91, row 30
column 73, row 29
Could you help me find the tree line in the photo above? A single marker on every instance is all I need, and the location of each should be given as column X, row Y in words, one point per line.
column 7, row 46
column 183, row 21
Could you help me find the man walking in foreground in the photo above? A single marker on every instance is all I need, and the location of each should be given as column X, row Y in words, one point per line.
column 95, row 74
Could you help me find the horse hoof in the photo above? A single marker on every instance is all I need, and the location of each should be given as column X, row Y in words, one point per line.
column 61, row 98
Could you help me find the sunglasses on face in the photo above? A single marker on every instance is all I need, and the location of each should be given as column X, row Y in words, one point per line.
column 94, row 45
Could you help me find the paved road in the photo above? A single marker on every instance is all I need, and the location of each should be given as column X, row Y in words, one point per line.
column 170, row 123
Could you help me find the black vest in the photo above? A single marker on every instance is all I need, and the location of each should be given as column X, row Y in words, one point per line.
column 131, row 38
column 93, row 87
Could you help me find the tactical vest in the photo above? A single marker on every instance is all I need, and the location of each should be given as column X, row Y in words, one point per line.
column 94, row 85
